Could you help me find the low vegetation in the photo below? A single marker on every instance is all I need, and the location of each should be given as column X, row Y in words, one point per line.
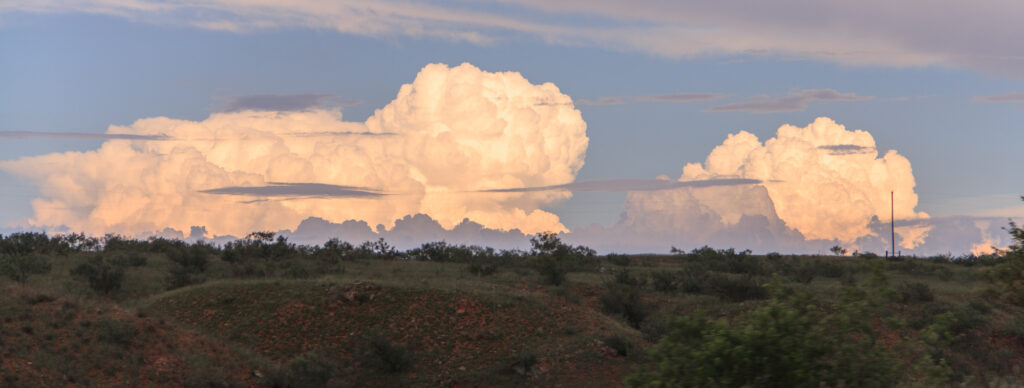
column 262, row 311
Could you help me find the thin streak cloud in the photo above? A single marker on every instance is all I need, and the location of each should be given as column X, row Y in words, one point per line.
column 284, row 102
column 680, row 97
column 291, row 189
column 1007, row 97
column 796, row 102
column 846, row 149
column 620, row 185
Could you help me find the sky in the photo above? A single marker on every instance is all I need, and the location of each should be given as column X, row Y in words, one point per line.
column 628, row 126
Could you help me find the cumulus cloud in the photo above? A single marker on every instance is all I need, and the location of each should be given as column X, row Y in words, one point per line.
column 818, row 194
column 453, row 130
column 792, row 103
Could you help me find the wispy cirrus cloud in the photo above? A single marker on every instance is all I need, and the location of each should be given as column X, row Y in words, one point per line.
column 869, row 32
column 794, row 102
column 1006, row 97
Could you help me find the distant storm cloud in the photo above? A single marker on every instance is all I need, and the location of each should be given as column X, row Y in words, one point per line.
column 451, row 130
column 795, row 102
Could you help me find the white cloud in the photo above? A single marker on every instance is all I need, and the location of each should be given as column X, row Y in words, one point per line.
column 452, row 130
column 818, row 193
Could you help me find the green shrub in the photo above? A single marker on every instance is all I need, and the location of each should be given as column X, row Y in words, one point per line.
column 102, row 277
column 310, row 370
column 1009, row 275
column 619, row 344
column 624, row 300
column 788, row 343
column 524, row 364
column 664, row 281
column 116, row 332
column 18, row 267
column 388, row 356
column 482, row 269
column 619, row 260
column 915, row 292
column 552, row 272
column 130, row 260
column 732, row 288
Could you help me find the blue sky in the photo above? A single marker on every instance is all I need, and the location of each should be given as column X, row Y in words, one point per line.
column 66, row 68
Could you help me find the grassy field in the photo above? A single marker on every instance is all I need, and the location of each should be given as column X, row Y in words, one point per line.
column 263, row 312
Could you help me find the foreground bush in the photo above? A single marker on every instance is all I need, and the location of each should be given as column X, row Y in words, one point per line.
column 791, row 342
column 1009, row 275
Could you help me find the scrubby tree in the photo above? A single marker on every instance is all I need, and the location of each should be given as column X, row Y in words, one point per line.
column 101, row 275
column 1009, row 276
column 554, row 259
column 838, row 250
column 20, row 267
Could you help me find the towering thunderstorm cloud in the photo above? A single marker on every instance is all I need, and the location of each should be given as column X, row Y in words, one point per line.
column 451, row 131
column 811, row 188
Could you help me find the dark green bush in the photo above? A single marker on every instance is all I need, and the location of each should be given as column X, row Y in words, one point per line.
column 619, row 344
column 664, row 281
column 116, row 332
column 310, row 370
column 624, row 300
column 733, row 288
column 129, row 260
column 102, row 277
column 619, row 260
column 482, row 269
column 915, row 292
column 524, row 364
column 552, row 272
column 386, row 355
column 18, row 267
column 788, row 343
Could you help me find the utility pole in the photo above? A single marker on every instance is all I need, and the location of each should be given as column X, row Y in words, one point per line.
column 892, row 221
